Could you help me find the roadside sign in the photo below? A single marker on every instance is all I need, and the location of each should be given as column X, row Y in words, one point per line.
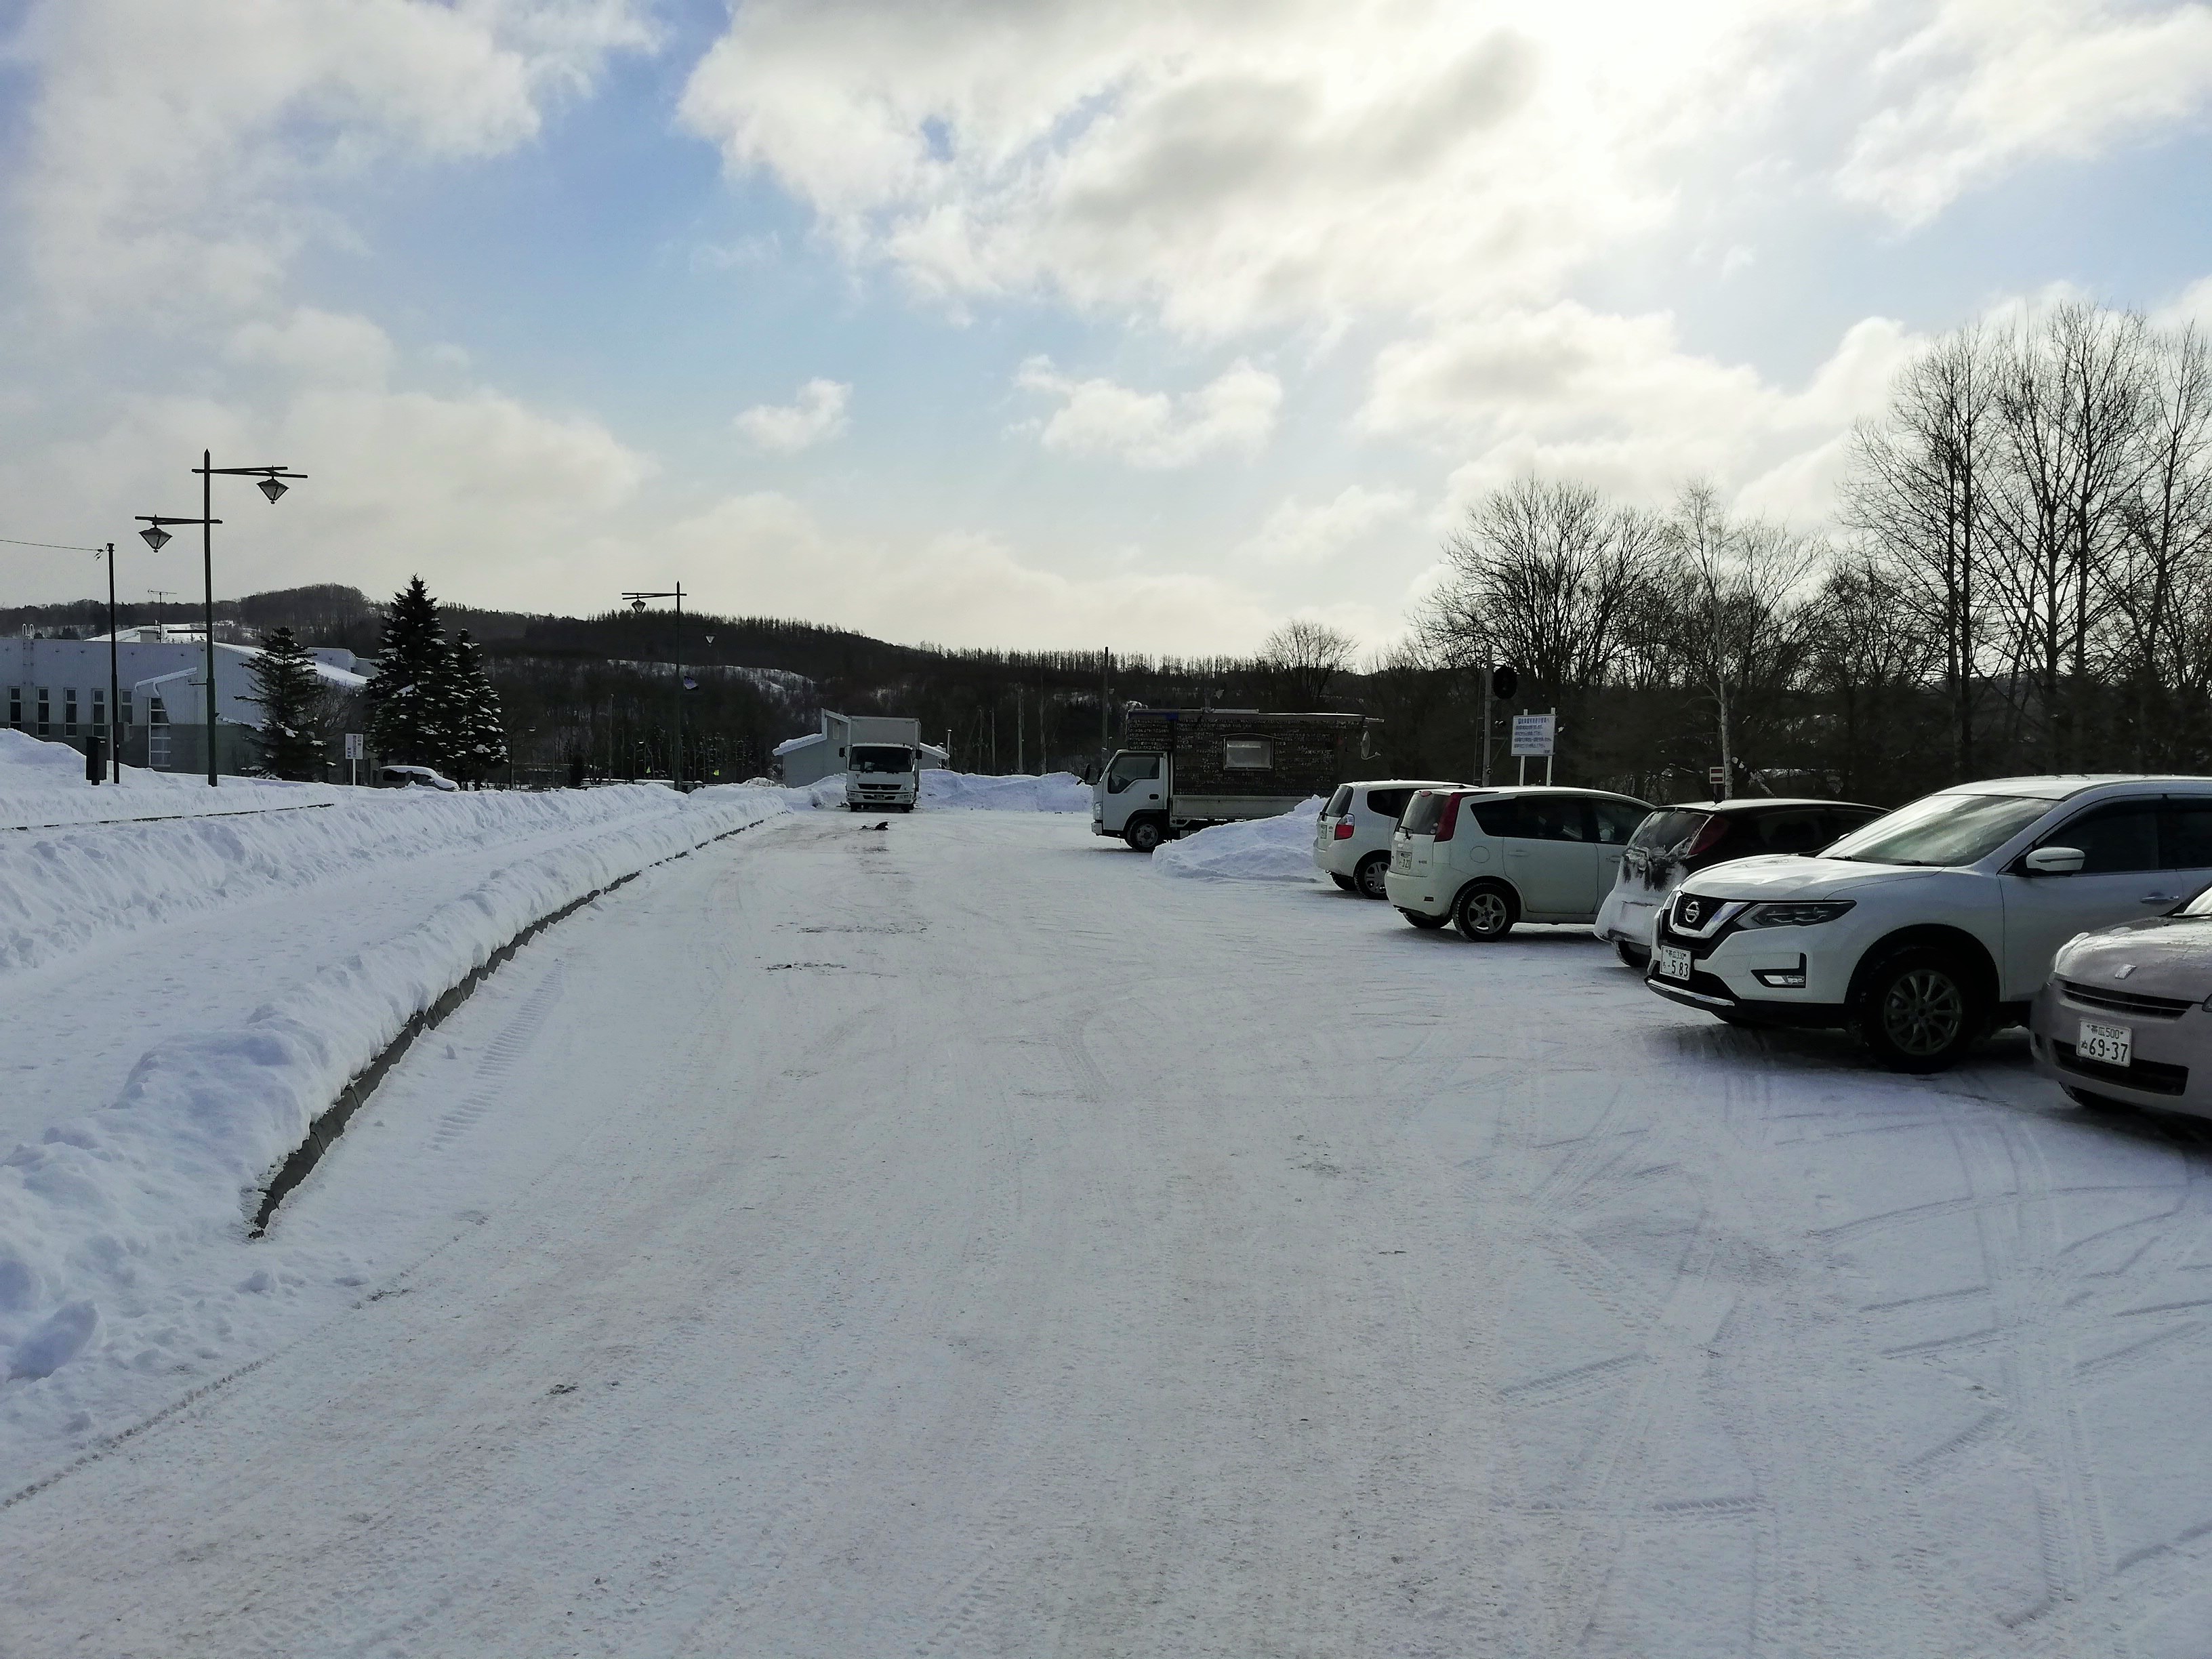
column 1533, row 735
column 353, row 746
column 1717, row 778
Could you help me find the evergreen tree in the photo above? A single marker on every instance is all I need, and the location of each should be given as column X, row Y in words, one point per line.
column 292, row 743
column 404, row 724
column 475, row 734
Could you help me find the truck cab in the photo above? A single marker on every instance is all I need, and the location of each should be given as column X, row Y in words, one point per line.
column 1130, row 798
column 881, row 776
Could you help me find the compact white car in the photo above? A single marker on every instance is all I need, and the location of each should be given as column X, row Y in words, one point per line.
column 1352, row 840
column 1930, row 925
column 1485, row 859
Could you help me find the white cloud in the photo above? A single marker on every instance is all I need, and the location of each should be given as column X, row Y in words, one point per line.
column 952, row 588
column 1234, row 167
column 1617, row 400
column 816, row 416
column 1296, row 535
column 1985, row 85
column 1235, row 413
column 171, row 146
column 318, row 345
column 2192, row 304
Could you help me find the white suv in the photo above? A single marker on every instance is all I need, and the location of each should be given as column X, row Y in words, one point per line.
column 1352, row 841
column 1484, row 858
column 1930, row 927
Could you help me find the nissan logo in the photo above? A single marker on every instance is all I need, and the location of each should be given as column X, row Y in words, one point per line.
column 1692, row 912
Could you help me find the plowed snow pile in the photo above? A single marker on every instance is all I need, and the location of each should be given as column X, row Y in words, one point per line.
column 1054, row 791
column 1265, row 849
column 44, row 783
column 104, row 1215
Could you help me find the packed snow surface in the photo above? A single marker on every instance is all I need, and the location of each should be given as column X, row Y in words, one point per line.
column 43, row 783
column 1260, row 850
column 116, row 1188
column 949, row 1239
column 1054, row 791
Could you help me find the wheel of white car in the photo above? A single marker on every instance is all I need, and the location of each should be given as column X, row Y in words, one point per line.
column 1485, row 912
column 1370, row 873
column 1920, row 1009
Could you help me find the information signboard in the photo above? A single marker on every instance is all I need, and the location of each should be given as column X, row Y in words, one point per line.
column 1533, row 735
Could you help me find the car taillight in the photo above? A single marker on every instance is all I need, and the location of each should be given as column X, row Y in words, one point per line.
column 1448, row 820
column 1344, row 830
column 1708, row 837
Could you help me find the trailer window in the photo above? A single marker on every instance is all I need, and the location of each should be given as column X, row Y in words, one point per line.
column 1248, row 754
column 881, row 758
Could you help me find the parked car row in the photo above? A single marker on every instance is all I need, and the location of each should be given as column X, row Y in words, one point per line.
column 2077, row 906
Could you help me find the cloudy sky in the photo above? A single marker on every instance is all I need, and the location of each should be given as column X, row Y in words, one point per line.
column 1018, row 322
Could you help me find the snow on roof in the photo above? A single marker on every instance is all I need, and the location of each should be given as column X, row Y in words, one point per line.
column 792, row 745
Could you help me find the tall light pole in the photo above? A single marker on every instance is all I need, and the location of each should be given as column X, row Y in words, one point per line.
column 272, row 481
column 637, row 603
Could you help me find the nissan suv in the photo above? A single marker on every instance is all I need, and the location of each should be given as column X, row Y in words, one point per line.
column 1937, row 923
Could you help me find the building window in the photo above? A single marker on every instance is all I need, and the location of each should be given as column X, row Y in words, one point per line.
column 69, row 712
column 99, row 709
column 157, row 733
column 16, row 707
column 123, row 710
column 45, row 713
column 1249, row 755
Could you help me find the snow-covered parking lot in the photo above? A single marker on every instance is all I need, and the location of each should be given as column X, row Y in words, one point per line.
column 961, row 1238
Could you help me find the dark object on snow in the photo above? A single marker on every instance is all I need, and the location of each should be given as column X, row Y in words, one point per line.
column 95, row 759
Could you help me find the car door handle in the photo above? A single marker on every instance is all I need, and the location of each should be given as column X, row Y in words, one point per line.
column 2160, row 898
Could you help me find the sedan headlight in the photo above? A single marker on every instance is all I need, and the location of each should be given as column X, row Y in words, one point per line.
column 1809, row 914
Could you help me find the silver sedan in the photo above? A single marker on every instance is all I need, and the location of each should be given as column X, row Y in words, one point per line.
column 2124, row 1018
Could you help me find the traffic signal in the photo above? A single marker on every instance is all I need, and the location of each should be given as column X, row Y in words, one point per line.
column 1504, row 681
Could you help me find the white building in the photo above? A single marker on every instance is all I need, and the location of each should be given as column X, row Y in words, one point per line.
column 818, row 755
column 57, row 689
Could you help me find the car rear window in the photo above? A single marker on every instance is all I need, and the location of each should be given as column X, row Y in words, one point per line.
column 1667, row 828
column 1338, row 802
column 1791, row 829
column 1422, row 812
column 1390, row 803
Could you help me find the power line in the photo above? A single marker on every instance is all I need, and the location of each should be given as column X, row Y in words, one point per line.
column 64, row 547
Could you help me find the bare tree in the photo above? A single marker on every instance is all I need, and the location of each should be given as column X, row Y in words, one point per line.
column 2164, row 562
column 1738, row 621
column 1918, row 487
column 1303, row 657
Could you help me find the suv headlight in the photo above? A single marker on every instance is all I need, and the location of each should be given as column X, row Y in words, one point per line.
column 1808, row 914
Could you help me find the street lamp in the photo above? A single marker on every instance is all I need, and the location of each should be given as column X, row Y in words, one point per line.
column 270, row 480
column 637, row 603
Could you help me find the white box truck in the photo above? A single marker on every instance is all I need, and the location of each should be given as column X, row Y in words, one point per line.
column 882, row 764
column 1181, row 769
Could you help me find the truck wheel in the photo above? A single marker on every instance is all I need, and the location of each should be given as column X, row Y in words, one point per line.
column 1921, row 1009
column 1426, row 923
column 1484, row 913
column 1143, row 835
column 1369, row 874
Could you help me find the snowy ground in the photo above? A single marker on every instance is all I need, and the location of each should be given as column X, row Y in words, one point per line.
column 951, row 1239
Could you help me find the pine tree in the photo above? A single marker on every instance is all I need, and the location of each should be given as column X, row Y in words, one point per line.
column 405, row 723
column 475, row 734
column 291, row 742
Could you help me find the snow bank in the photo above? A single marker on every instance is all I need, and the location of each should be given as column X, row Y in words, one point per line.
column 63, row 890
column 97, row 1217
column 43, row 783
column 1054, row 791
column 1264, row 849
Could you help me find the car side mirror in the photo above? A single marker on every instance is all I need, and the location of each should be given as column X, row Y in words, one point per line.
column 2053, row 861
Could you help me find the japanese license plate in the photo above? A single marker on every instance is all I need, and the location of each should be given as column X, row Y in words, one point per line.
column 1671, row 961
column 1401, row 859
column 2114, row 1045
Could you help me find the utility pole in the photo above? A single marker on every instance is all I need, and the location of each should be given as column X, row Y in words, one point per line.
column 114, row 678
column 1021, row 732
column 1105, row 675
column 1489, row 674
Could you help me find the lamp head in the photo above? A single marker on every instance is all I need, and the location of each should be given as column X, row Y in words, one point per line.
column 637, row 605
column 272, row 487
column 154, row 537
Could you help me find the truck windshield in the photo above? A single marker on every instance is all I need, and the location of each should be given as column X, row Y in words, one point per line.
column 882, row 758
column 1950, row 830
column 1127, row 769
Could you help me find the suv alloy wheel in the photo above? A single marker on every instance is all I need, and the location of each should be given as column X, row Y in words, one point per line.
column 1484, row 913
column 1921, row 1009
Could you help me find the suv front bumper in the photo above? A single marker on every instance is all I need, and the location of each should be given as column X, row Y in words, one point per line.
column 1725, row 970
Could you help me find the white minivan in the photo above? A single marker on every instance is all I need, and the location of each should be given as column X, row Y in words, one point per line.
column 1485, row 859
column 1930, row 925
column 1351, row 838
